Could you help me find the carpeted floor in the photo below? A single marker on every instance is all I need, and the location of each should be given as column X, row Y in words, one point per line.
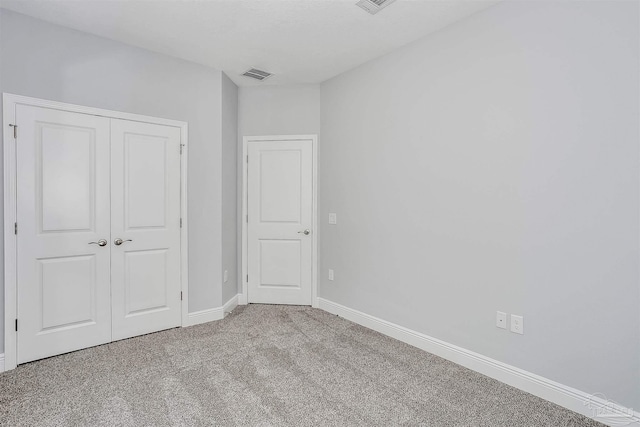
column 265, row 365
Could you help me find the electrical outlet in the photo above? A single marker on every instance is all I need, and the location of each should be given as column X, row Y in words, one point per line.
column 226, row 276
column 501, row 320
column 330, row 274
column 333, row 218
column 517, row 324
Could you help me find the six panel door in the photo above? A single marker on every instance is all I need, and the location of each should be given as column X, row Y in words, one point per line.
column 280, row 206
column 145, row 228
column 64, row 301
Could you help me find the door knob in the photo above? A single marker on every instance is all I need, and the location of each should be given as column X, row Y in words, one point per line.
column 119, row 241
column 305, row 232
column 101, row 242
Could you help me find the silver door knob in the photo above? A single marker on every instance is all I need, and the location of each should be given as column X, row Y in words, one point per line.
column 119, row 241
column 101, row 242
column 305, row 232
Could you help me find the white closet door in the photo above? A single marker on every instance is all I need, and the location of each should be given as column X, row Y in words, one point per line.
column 145, row 215
column 280, row 208
column 62, row 207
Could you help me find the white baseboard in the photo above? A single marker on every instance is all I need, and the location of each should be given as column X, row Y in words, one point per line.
column 204, row 316
column 230, row 305
column 242, row 299
column 593, row 406
column 212, row 314
column 2, row 362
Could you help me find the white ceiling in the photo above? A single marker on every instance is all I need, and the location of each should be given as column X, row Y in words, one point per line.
column 300, row 41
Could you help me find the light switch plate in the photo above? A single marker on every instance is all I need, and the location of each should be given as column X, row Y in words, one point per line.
column 501, row 320
column 226, row 276
column 330, row 274
column 333, row 218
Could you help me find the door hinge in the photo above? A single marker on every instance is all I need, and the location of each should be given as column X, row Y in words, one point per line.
column 15, row 131
column 16, row 325
column 180, row 222
column 181, row 148
column 247, row 217
column 180, row 295
column 247, row 278
column 15, row 228
column 247, row 159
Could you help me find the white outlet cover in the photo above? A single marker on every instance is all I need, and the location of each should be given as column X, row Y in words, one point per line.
column 517, row 324
column 333, row 218
column 501, row 320
column 330, row 274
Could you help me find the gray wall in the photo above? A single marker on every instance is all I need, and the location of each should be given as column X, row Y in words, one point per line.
column 274, row 110
column 278, row 110
column 229, row 194
column 51, row 62
column 494, row 166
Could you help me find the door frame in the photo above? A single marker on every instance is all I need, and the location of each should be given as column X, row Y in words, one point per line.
column 9, row 103
column 243, row 298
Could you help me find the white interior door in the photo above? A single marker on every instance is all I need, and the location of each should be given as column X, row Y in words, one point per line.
column 145, row 216
column 63, row 211
column 280, row 209
column 98, row 241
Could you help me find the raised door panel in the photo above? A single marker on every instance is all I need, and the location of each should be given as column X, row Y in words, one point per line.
column 280, row 263
column 66, row 169
column 145, row 206
column 280, row 185
column 145, row 282
column 145, row 183
column 62, row 206
column 67, row 292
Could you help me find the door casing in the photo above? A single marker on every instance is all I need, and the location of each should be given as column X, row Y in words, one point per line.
column 10, row 201
column 243, row 297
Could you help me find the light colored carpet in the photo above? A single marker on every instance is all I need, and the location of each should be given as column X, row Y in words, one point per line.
column 265, row 365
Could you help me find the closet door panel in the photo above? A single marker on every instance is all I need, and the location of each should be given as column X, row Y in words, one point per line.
column 145, row 228
column 63, row 256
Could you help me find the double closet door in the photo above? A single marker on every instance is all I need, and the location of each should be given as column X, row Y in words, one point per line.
column 98, row 231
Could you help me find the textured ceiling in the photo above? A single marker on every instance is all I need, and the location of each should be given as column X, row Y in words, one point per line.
column 300, row 41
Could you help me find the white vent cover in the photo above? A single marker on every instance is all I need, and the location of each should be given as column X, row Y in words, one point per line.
column 374, row 6
column 254, row 73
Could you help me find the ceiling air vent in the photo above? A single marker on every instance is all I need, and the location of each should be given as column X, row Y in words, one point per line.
column 374, row 6
column 257, row 74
